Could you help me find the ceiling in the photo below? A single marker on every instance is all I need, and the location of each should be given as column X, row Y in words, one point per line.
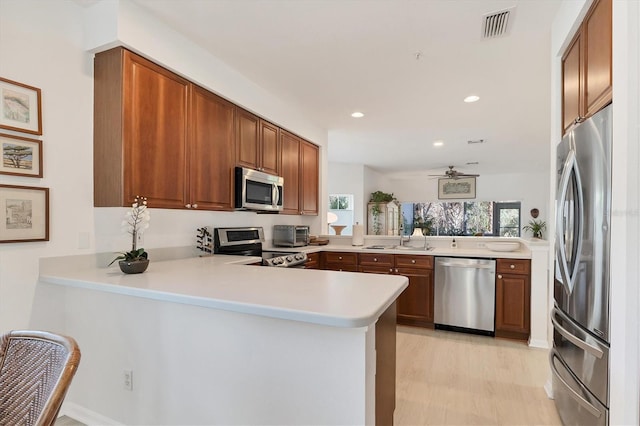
column 407, row 65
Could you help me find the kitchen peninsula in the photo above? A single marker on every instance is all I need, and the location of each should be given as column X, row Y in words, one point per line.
column 214, row 340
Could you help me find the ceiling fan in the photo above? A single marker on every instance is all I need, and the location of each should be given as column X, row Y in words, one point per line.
column 454, row 174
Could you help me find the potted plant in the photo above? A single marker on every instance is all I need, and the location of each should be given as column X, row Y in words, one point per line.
column 535, row 227
column 377, row 198
column 135, row 221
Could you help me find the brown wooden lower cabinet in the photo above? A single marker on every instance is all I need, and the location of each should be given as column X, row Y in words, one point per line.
column 313, row 261
column 340, row 261
column 386, row 366
column 513, row 298
column 415, row 304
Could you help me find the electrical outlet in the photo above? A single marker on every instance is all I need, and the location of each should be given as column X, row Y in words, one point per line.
column 127, row 379
column 482, row 245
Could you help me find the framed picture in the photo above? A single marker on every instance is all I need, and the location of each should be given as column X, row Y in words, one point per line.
column 461, row 188
column 20, row 156
column 26, row 214
column 20, row 107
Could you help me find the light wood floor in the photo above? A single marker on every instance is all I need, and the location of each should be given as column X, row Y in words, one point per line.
column 447, row 378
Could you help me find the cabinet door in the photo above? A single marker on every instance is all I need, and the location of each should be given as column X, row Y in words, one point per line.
column 154, row 133
column 211, row 149
column 269, row 148
column 571, row 85
column 309, row 157
column 247, row 137
column 597, row 37
column 313, row 261
column 513, row 302
column 415, row 304
column 290, row 172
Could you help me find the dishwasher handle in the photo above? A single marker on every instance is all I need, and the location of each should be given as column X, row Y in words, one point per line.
column 465, row 265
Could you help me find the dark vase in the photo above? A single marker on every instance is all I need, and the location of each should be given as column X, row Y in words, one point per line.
column 134, row 266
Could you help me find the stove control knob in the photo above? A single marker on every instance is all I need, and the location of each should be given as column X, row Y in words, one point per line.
column 289, row 259
column 299, row 256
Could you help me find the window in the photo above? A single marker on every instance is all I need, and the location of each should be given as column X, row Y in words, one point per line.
column 507, row 219
column 342, row 206
column 462, row 218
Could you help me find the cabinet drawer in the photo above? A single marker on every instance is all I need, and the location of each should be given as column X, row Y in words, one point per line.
column 513, row 266
column 414, row 261
column 376, row 259
column 341, row 258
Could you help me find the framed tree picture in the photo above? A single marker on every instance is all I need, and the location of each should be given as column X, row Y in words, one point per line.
column 20, row 156
column 20, row 107
column 25, row 212
column 461, row 188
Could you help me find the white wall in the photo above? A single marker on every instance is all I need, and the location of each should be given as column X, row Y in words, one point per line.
column 625, row 234
column 348, row 178
column 43, row 44
column 531, row 189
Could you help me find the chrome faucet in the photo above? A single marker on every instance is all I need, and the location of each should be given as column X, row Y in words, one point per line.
column 426, row 243
column 402, row 240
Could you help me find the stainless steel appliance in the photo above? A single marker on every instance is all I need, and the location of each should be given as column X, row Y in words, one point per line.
column 465, row 294
column 256, row 190
column 248, row 242
column 290, row 235
column 580, row 356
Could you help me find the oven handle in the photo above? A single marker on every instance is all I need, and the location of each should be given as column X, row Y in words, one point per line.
column 575, row 395
column 593, row 350
column 463, row 265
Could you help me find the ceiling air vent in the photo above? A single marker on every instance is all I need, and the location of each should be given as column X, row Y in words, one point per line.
column 497, row 24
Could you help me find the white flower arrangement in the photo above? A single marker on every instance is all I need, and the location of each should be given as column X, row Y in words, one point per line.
column 135, row 222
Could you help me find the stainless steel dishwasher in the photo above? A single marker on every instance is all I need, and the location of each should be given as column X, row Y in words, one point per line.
column 465, row 294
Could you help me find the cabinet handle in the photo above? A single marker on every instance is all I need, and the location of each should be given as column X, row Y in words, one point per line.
column 396, row 270
column 375, row 259
column 413, row 261
column 195, row 206
column 390, row 269
column 339, row 257
column 188, row 206
column 578, row 120
column 499, row 277
column 512, row 266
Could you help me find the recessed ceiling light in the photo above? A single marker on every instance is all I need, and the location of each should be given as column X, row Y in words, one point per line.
column 472, row 98
column 357, row 114
column 438, row 143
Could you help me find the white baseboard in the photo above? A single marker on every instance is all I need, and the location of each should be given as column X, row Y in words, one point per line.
column 86, row 416
column 548, row 388
column 538, row 343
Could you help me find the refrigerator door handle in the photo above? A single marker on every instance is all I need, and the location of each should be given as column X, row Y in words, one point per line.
column 597, row 352
column 579, row 399
column 568, row 270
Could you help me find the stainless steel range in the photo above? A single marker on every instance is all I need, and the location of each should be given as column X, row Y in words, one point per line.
column 248, row 242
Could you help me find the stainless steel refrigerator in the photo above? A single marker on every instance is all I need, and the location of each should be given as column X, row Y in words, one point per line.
column 579, row 359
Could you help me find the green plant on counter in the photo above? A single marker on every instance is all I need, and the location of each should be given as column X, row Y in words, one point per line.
column 377, row 198
column 135, row 221
column 535, row 227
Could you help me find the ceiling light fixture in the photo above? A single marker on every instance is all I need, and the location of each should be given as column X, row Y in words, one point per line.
column 438, row 143
column 472, row 98
column 357, row 114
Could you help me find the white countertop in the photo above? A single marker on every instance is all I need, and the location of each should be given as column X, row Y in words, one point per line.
column 340, row 299
column 522, row 253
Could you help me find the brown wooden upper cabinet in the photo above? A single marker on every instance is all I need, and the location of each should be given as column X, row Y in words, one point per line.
column 159, row 136
column 587, row 66
column 299, row 168
column 257, row 143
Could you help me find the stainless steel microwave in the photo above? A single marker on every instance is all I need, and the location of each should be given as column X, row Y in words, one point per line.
column 256, row 190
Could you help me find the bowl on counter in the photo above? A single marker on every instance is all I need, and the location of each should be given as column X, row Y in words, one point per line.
column 503, row 246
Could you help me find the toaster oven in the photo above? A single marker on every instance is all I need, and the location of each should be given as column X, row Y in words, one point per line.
column 290, row 235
